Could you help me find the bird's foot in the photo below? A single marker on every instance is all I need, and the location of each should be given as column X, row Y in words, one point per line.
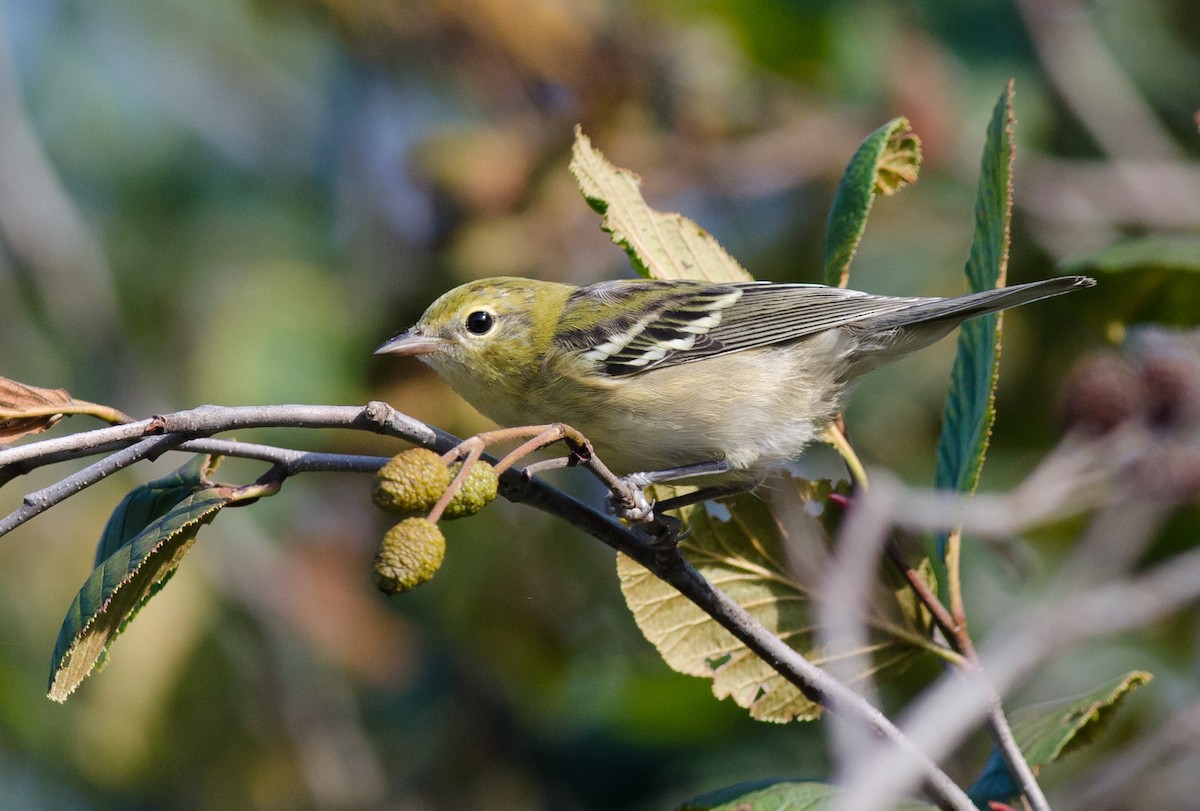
column 628, row 501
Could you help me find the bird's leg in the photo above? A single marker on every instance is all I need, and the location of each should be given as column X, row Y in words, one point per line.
column 629, row 497
column 700, row 496
column 665, row 531
column 674, row 474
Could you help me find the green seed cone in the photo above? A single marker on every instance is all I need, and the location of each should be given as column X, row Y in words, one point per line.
column 411, row 482
column 410, row 554
column 478, row 491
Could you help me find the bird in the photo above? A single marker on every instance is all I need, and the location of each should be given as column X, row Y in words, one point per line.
column 669, row 378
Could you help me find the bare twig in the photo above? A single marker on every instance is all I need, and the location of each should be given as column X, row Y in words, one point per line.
column 37, row 503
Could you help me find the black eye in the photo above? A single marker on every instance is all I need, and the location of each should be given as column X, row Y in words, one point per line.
column 480, row 322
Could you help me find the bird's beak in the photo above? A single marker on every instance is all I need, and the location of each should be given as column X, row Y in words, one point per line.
column 410, row 342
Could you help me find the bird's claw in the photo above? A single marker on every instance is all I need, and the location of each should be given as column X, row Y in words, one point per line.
column 664, row 532
column 628, row 501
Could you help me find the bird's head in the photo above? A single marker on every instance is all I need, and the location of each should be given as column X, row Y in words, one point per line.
column 485, row 332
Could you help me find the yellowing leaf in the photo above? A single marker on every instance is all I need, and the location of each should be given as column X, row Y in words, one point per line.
column 660, row 246
column 771, row 568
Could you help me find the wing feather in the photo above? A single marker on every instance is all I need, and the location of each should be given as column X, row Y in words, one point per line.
column 629, row 327
column 637, row 326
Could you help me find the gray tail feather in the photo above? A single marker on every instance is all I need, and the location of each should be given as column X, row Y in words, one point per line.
column 890, row 336
column 960, row 308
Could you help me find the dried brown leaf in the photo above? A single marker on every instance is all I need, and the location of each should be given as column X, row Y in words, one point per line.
column 26, row 409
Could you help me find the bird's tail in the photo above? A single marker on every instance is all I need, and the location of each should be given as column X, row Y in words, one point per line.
column 898, row 333
column 960, row 308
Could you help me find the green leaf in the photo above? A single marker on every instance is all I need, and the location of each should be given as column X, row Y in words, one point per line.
column 773, row 794
column 886, row 161
column 1171, row 252
column 768, row 558
column 660, row 246
column 969, row 413
column 152, row 500
column 1047, row 732
column 133, row 573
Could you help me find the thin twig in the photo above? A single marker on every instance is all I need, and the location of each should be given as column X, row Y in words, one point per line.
column 38, row 502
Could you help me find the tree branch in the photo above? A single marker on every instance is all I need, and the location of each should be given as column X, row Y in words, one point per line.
column 186, row 430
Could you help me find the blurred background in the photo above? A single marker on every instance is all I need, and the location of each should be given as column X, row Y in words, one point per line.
column 235, row 201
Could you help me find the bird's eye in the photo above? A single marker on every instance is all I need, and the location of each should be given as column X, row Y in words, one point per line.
column 480, row 322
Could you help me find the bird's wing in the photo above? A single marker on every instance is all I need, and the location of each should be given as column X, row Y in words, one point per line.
column 632, row 327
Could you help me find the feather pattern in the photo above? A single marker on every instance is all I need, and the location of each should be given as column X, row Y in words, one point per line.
column 682, row 321
column 687, row 321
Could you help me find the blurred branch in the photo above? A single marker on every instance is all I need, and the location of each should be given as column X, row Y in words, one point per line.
column 867, row 534
column 1092, row 83
column 41, row 225
column 1074, row 198
column 1077, row 476
column 1148, row 182
column 942, row 716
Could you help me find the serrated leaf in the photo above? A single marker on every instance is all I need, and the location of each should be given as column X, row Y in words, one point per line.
column 660, row 246
column 1047, row 732
column 120, row 585
column 150, row 501
column 887, row 160
column 771, row 566
column 24, row 409
column 1170, row 252
column 969, row 413
column 772, row 794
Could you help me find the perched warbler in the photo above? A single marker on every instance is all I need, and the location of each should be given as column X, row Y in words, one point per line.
column 662, row 375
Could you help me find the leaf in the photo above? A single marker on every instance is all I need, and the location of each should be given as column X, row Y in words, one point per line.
column 771, row 567
column 133, row 573
column 152, row 500
column 1047, row 732
column 660, row 246
column 969, row 412
column 1170, row 252
column 772, row 794
column 26, row 409
column 995, row 782
column 887, row 160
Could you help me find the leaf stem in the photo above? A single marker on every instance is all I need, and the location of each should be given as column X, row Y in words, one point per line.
column 835, row 435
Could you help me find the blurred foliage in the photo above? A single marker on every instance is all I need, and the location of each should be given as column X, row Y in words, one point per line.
column 235, row 201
